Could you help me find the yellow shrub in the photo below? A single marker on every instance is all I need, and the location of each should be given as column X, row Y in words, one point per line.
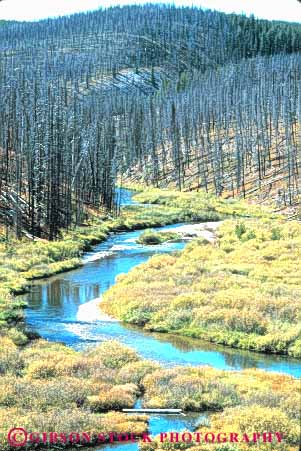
column 115, row 397
column 246, row 296
column 113, row 354
column 10, row 360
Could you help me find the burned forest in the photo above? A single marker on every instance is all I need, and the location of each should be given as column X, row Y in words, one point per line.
column 182, row 97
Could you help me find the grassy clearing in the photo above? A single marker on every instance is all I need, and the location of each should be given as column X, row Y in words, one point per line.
column 243, row 292
column 203, row 206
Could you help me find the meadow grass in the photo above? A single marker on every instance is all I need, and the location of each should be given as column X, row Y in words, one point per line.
column 202, row 205
column 243, row 292
column 49, row 387
column 151, row 237
column 242, row 402
column 24, row 260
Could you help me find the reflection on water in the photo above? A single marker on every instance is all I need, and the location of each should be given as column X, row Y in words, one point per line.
column 124, row 197
column 111, row 447
column 59, row 297
column 54, row 305
column 54, row 312
column 170, row 423
column 232, row 358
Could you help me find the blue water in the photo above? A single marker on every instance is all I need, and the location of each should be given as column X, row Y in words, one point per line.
column 55, row 306
column 157, row 425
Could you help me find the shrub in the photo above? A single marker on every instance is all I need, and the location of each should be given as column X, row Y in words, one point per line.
column 151, row 237
column 115, row 397
column 17, row 336
column 114, row 355
column 10, row 360
column 136, row 371
column 42, row 370
column 257, row 418
column 240, row 230
column 68, row 420
column 275, row 233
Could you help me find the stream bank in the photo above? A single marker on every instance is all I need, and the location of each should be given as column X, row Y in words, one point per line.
column 65, row 309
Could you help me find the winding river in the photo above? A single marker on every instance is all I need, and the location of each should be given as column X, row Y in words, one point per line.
column 64, row 308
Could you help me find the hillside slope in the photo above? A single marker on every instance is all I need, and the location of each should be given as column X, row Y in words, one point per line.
column 232, row 131
column 197, row 98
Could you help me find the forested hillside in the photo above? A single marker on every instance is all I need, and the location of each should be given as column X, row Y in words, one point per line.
column 181, row 96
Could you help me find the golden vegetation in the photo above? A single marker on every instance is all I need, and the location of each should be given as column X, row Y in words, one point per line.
column 245, row 402
column 49, row 387
column 203, row 206
column 151, row 237
column 24, row 260
column 243, row 292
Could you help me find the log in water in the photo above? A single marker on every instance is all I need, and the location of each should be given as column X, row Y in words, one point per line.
column 160, row 411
